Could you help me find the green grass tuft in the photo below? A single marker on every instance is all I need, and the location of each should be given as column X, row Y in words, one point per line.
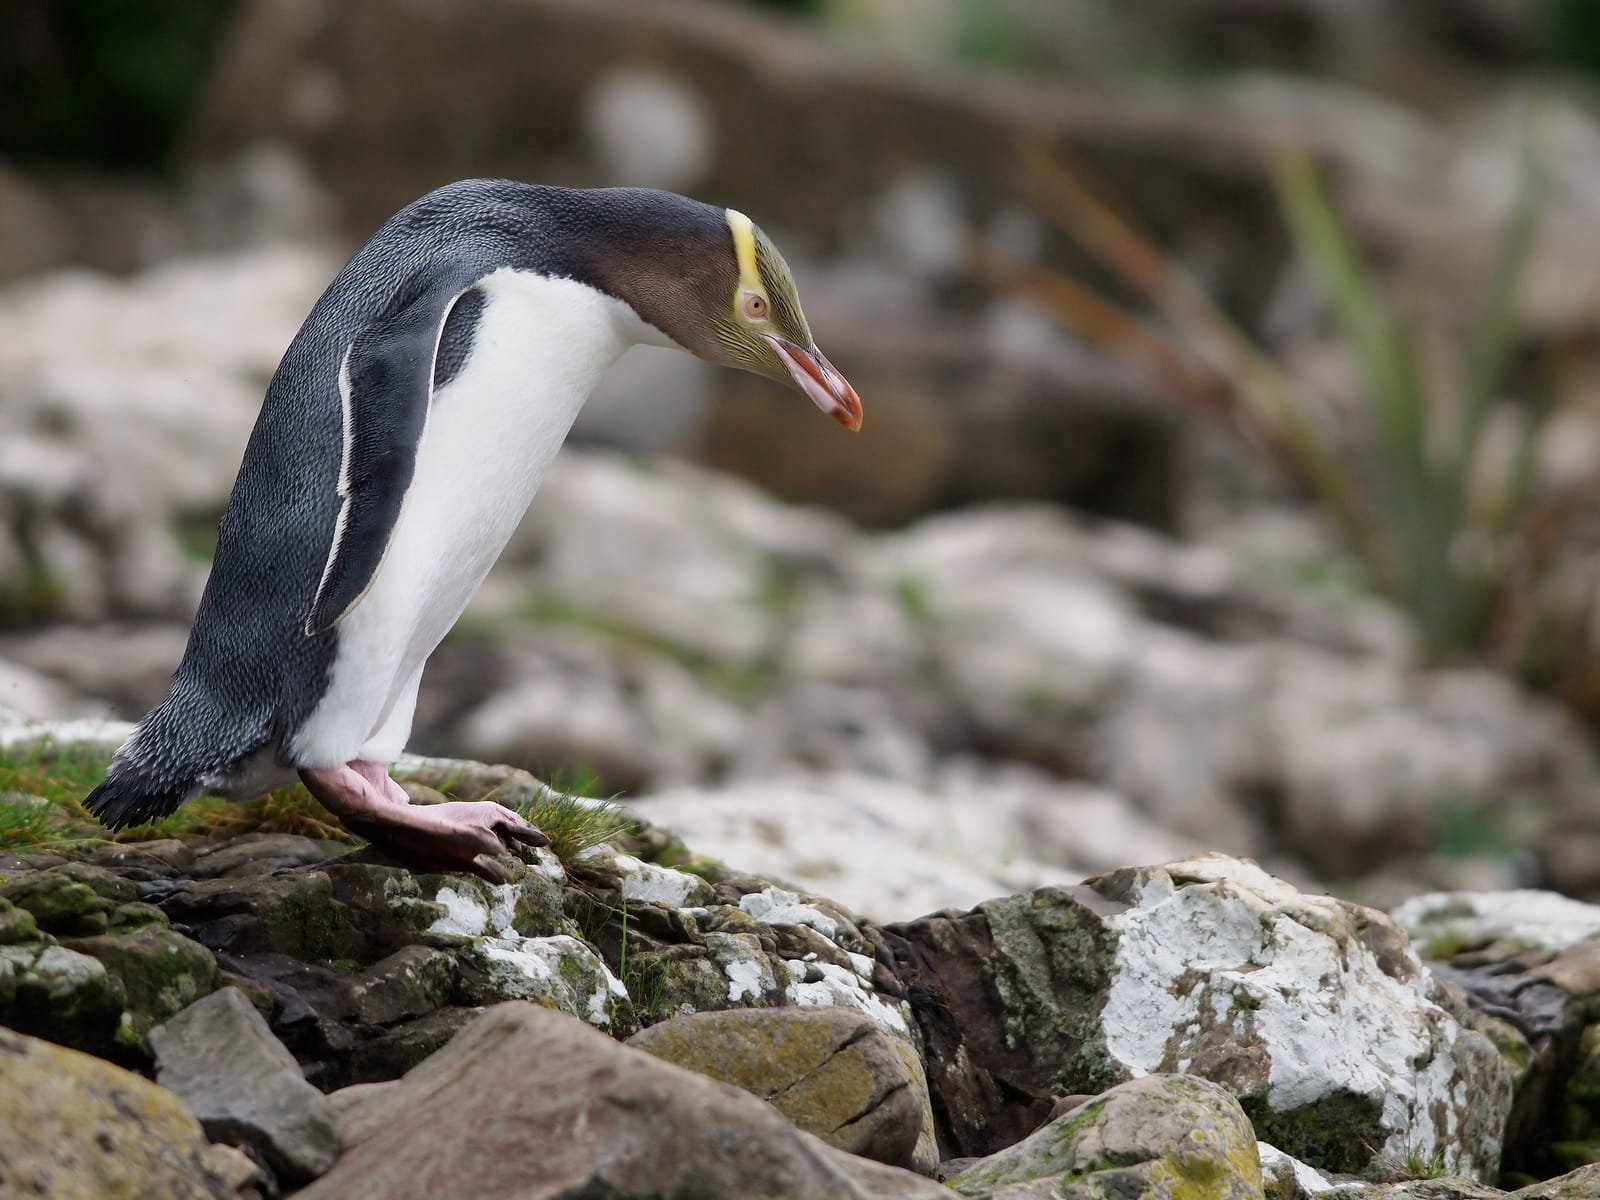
column 574, row 823
column 290, row 809
column 42, row 787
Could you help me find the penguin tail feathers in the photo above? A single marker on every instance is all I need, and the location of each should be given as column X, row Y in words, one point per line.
column 172, row 756
column 125, row 799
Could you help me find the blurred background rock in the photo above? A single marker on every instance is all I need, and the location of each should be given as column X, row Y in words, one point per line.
column 1042, row 617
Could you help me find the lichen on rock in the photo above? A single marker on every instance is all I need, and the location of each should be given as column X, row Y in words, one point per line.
column 1162, row 1135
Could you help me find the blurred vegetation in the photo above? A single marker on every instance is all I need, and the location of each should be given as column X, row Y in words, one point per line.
column 1573, row 34
column 102, row 81
column 112, row 83
column 1427, row 479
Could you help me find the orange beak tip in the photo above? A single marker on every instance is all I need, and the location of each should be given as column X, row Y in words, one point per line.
column 819, row 381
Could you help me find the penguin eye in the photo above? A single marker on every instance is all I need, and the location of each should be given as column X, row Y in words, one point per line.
column 755, row 306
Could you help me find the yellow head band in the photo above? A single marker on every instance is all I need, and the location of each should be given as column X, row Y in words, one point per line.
column 744, row 248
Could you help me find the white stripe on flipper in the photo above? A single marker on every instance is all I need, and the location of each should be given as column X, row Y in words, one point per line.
column 346, row 411
column 347, row 408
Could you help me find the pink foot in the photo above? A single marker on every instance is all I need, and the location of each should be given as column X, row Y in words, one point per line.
column 459, row 835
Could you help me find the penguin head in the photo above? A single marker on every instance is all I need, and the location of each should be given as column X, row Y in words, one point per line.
column 717, row 286
column 763, row 329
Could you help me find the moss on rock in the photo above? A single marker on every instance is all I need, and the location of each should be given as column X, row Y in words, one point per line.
column 59, row 994
column 161, row 973
column 73, row 900
column 93, row 1131
column 1337, row 1133
column 834, row 1072
column 16, row 924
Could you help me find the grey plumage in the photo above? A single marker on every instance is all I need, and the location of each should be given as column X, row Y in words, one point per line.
column 252, row 673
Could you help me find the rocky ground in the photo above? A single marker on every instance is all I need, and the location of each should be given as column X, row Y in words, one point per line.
column 263, row 1014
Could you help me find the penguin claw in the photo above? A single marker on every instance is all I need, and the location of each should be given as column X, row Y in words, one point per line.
column 490, row 869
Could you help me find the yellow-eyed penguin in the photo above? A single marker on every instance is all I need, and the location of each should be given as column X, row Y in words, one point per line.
column 401, row 439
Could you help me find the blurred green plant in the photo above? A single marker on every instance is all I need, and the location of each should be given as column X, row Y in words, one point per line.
column 103, row 81
column 1431, row 489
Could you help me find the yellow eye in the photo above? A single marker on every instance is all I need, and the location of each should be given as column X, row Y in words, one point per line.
column 755, row 306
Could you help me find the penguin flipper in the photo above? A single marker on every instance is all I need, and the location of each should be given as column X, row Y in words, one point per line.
column 386, row 384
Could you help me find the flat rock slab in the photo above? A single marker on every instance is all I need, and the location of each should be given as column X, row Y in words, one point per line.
column 220, row 1056
column 74, row 1127
column 533, row 1104
column 834, row 1072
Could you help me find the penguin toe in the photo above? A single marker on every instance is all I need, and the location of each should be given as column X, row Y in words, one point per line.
column 517, row 828
column 490, row 868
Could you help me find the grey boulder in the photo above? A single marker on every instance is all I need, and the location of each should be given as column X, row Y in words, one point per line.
column 221, row 1058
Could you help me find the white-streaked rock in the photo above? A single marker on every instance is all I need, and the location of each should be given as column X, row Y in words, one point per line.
column 1214, row 952
column 894, row 851
column 1524, row 919
column 1293, row 1179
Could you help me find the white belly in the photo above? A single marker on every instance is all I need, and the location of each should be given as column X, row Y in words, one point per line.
column 539, row 348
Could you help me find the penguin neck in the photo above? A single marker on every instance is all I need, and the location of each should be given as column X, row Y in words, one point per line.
column 548, row 340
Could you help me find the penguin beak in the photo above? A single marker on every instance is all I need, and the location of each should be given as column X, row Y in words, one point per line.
column 814, row 375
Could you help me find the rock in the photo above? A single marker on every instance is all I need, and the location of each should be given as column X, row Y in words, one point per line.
column 222, row 1060
column 1493, row 926
column 560, row 972
column 75, row 1128
column 75, row 899
column 972, row 417
column 532, row 1103
column 103, row 454
column 1576, row 1185
column 828, row 832
column 834, row 1072
column 558, row 694
column 1077, row 989
column 126, row 666
column 347, row 1104
column 31, row 236
column 1284, row 1177
column 1529, row 962
column 715, row 551
column 16, row 924
column 261, row 854
column 30, row 694
column 237, row 1169
column 1157, row 1135
column 758, row 945
column 161, row 973
column 1196, row 701
column 369, row 966
column 62, row 995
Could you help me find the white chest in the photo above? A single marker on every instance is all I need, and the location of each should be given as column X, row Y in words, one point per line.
column 539, row 348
